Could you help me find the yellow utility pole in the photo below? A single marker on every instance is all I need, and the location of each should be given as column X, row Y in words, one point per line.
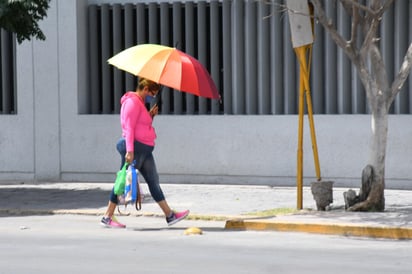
column 304, row 56
column 302, row 40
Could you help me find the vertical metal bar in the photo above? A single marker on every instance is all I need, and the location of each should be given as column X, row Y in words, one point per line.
column 227, row 57
column 276, row 62
column 344, row 66
column 14, row 91
column 129, row 41
column 153, row 23
column 251, row 57
column 318, row 71
column 202, row 47
column 105, row 54
column 215, row 47
column 118, row 83
column 330, row 69
column 2, row 89
column 6, row 73
column 141, row 26
column 410, row 39
column 94, row 96
column 177, row 42
column 238, row 56
column 401, row 46
column 154, row 30
column 263, row 57
column 190, row 36
column 165, row 23
column 387, row 46
column 141, row 23
column 2, row 77
column 290, row 89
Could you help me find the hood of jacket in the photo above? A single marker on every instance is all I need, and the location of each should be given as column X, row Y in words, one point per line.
column 129, row 95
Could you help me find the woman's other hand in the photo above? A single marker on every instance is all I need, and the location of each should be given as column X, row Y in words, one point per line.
column 129, row 157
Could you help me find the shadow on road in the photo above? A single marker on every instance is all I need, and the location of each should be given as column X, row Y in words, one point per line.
column 52, row 199
column 204, row 229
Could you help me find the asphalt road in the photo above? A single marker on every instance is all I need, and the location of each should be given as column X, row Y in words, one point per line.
column 78, row 244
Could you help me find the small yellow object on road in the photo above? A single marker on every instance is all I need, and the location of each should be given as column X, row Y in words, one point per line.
column 193, row 230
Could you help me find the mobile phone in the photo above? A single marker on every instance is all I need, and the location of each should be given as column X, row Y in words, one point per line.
column 157, row 101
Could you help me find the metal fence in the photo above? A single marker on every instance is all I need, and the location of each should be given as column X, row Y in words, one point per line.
column 246, row 47
column 7, row 73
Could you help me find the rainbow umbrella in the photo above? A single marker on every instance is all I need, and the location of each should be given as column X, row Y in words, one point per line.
column 167, row 66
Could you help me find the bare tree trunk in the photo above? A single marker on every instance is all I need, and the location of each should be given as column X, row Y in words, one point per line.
column 371, row 195
column 368, row 61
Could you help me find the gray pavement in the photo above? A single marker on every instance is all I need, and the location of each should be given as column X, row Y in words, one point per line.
column 242, row 207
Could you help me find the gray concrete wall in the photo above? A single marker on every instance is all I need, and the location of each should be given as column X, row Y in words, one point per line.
column 48, row 140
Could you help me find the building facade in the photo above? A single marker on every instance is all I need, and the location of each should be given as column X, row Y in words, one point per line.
column 62, row 122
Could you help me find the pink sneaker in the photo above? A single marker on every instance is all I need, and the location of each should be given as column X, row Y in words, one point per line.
column 111, row 222
column 176, row 217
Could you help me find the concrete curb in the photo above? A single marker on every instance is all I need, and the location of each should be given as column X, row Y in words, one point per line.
column 397, row 233
column 255, row 223
column 94, row 212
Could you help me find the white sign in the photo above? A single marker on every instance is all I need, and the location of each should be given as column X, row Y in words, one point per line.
column 300, row 24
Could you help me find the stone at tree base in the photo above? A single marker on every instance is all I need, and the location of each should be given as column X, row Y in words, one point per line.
column 322, row 192
column 350, row 198
column 371, row 194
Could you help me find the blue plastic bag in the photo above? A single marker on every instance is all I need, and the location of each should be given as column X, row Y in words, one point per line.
column 132, row 193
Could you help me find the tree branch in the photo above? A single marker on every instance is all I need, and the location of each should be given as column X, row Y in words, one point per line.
column 354, row 28
column 348, row 4
column 375, row 16
column 369, row 37
column 402, row 74
column 328, row 25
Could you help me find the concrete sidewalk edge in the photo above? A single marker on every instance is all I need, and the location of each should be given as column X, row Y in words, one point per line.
column 398, row 233
column 94, row 212
column 248, row 223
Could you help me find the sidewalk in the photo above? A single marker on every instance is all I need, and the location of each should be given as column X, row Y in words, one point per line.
column 242, row 207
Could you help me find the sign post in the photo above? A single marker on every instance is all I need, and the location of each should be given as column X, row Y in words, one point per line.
column 302, row 40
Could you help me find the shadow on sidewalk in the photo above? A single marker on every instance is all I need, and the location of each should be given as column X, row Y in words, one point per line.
column 43, row 199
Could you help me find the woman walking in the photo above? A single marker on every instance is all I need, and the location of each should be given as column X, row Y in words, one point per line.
column 137, row 143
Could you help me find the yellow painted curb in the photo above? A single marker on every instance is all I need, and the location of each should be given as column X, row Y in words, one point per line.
column 346, row 230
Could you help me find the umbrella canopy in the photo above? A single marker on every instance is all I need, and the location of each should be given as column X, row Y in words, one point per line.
column 167, row 66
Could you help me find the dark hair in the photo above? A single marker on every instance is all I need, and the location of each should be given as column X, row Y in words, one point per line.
column 143, row 82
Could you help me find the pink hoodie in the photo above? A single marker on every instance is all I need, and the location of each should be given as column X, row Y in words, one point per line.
column 136, row 121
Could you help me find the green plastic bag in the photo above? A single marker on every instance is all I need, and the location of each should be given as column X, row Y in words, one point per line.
column 120, row 182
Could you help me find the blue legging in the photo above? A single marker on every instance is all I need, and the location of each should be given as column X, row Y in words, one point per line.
column 145, row 164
